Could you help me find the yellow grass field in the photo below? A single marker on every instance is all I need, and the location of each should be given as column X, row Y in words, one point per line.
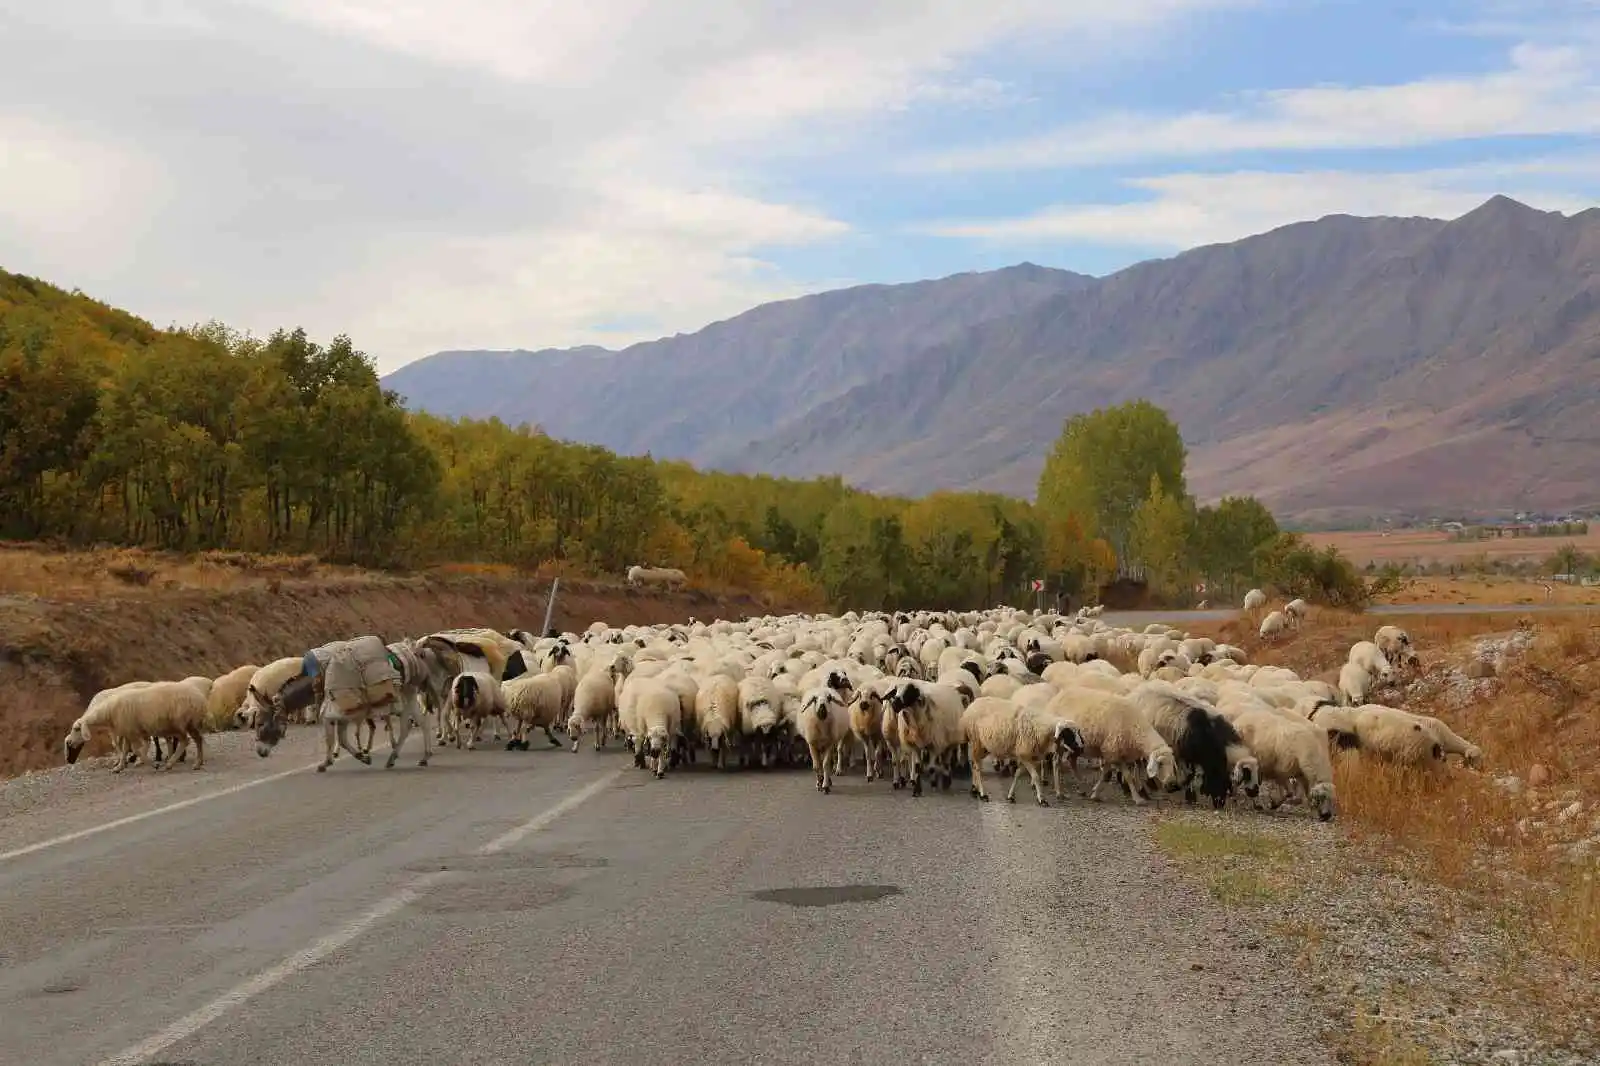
column 1427, row 546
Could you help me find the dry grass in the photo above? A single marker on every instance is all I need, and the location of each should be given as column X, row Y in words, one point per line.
column 111, row 573
column 1373, row 1041
column 1240, row 868
column 1505, row 844
column 1490, row 590
column 1426, row 545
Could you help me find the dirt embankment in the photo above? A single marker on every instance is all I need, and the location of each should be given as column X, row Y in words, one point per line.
column 55, row 655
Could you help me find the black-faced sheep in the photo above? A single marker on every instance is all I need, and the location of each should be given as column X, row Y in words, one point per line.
column 1201, row 740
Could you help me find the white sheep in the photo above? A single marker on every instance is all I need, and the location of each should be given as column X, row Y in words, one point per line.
column 930, row 728
column 824, row 724
column 227, row 695
column 1254, row 600
column 594, row 703
column 1355, row 683
column 142, row 711
column 1293, row 754
column 530, row 700
column 1001, row 728
column 652, row 715
column 1368, row 656
column 473, row 697
column 1117, row 733
column 266, row 683
column 717, row 714
column 1273, row 625
column 1295, row 611
column 671, row 577
column 1395, row 644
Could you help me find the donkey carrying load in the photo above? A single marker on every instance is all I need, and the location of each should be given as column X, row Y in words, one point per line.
column 355, row 681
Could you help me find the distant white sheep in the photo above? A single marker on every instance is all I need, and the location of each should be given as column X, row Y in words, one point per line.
column 1273, row 625
column 671, row 577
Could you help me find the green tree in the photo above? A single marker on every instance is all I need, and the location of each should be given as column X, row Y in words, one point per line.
column 1227, row 539
column 1159, row 537
column 1099, row 469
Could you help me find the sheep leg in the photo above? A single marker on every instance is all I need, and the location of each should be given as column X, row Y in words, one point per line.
column 1055, row 774
column 1135, row 790
column 1106, row 773
column 975, row 753
column 199, row 746
column 1037, row 776
column 915, row 760
column 548, row 735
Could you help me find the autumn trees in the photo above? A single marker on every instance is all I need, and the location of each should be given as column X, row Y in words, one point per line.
column 203, row 438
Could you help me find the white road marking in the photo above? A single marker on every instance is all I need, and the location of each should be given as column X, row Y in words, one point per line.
column 391, row 905
column 67, row 838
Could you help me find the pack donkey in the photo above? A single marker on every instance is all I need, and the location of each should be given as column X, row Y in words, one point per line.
column 356, row 681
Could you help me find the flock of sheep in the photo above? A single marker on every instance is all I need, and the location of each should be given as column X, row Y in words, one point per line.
column 920, row 696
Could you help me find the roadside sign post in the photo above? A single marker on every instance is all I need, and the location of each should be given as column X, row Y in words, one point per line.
column 550, row 606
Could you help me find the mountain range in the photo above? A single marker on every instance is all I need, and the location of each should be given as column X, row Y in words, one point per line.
column 1338, row 369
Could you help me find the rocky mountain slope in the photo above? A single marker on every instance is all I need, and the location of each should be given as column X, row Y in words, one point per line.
column 1338, row 367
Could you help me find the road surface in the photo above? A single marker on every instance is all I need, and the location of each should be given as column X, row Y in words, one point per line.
column 1223, row 614
column 546, row 907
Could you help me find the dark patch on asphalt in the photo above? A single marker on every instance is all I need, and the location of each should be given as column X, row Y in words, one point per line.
column 507, row 860
column 825, row 895
column 59, row 988
column 493, row 895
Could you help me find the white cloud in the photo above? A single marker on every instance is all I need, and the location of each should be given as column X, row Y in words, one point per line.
column 1190, row 209
column 1543, row 89
column 424, row 173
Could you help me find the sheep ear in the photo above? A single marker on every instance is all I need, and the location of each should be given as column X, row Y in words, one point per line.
column 1417, row 726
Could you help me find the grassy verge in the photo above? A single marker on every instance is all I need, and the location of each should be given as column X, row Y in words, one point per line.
column 1240, row 868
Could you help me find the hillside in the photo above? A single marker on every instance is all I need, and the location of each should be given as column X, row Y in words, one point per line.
column 1333, row 368
column 709, row 393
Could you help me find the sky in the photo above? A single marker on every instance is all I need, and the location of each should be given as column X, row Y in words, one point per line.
column 424, row 175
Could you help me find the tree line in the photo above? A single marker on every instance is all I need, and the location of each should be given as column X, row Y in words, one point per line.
column 115, row 432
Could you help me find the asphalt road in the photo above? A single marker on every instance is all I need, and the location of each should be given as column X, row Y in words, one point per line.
column 546, row 907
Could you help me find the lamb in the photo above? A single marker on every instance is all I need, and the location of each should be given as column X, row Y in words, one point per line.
column 1273, row 625
column 671, row 577
column 824, row 724
column 1254, row 600
column 1117, row 733
column 1003, row 729
column 1201, row 739
column 1293, row 754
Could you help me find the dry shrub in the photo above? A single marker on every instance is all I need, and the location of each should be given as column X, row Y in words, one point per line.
column 1483, row 832
column 131, row 567
column 475, row 570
